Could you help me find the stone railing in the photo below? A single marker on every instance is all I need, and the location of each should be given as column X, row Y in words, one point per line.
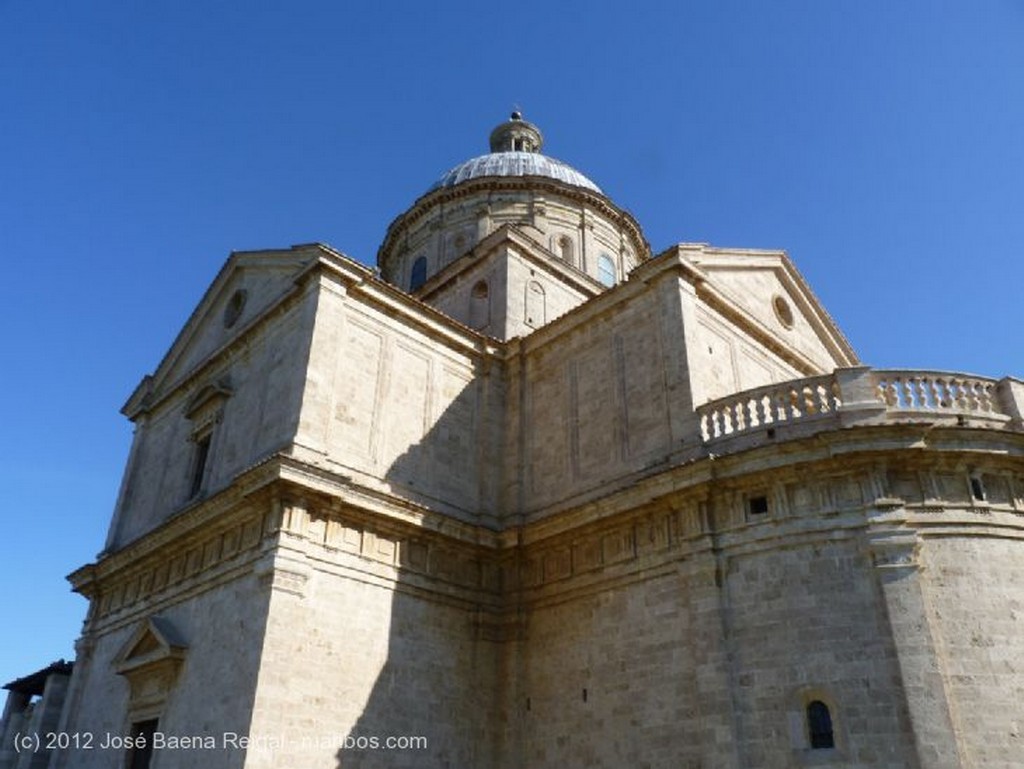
column 860, row 394
column 936, row 391
column 769, row 406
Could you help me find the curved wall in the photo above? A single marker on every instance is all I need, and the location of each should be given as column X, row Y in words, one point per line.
column 577, row 226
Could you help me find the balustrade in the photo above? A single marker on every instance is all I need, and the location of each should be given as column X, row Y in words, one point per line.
column 890, row 390
column 934, row 391
column 766, row 406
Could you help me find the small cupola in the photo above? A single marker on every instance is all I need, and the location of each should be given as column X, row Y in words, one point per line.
column 516, row 135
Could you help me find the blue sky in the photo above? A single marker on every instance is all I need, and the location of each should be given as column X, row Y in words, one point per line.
column 881, row 144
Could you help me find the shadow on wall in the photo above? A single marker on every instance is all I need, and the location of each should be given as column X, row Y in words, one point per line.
column 434, row 702
column 446, row 467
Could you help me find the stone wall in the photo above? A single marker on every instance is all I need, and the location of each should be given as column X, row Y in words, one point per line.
column 975, row 593
column 399, row 408
column 375, row 635
column 221, row 620
column 599, row 392
column 258, row 380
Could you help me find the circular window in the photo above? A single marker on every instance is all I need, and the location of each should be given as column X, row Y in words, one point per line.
column 783, row 311
column 233, row 311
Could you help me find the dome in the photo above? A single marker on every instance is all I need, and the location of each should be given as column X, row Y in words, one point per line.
column 515, row 151
column 514, row 164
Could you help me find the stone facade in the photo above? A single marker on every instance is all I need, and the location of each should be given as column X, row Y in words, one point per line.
column 516, row 517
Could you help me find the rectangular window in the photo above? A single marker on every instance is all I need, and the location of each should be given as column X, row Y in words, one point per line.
column 202, row 453
column 141, row 752
column 757, row 505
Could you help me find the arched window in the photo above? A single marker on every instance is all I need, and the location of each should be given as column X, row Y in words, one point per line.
column 535, row 308
column 606, row 270
column 419, row 273
column 819, row 726
column 479, row 305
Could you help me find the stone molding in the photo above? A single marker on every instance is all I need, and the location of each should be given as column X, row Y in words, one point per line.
column 286, row 520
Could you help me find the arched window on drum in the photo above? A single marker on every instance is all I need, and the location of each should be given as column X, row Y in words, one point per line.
column 418, row 276
column 606, row 273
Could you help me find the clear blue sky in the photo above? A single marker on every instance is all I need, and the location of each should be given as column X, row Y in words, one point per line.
column 880, row 143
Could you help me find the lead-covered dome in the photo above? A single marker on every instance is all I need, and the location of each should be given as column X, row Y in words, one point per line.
column 514, row 164
column 515, row 151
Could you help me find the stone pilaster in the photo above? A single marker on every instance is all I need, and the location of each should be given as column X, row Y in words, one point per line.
column 895, row 554
column 717, row 742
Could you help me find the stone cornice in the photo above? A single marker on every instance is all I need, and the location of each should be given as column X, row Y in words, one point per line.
column 363, row 282
column 226, row 508
column 822, row 488
column 401, row 513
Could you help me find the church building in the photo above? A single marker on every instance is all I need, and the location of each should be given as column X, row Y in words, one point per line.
column 530, row 496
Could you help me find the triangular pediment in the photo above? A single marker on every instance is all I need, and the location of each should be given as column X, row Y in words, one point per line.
column 525, row 241
column 764, row 292
column 524, row 285
column 154, row 642
column 249, row 285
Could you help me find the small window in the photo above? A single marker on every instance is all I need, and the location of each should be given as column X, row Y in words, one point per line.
column 757, row 505
column 606, row 270
column 141, row 752
column 977, row 489
column 201, row 455
column 419, row 273
column 819, row 726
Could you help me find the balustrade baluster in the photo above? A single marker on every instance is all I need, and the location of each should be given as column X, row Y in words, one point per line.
column 931, row 393
column 739, row 416
column 780, row 405
column 793, row 411
column 978, row 396
column 971, row 395
column 920, row 386
column 905, row 396
column 806, row 401
column 986, row 398
column 960, row 390
column 885, row 393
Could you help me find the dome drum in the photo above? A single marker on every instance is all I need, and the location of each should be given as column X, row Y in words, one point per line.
column 560, row 208
column 573, row 224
